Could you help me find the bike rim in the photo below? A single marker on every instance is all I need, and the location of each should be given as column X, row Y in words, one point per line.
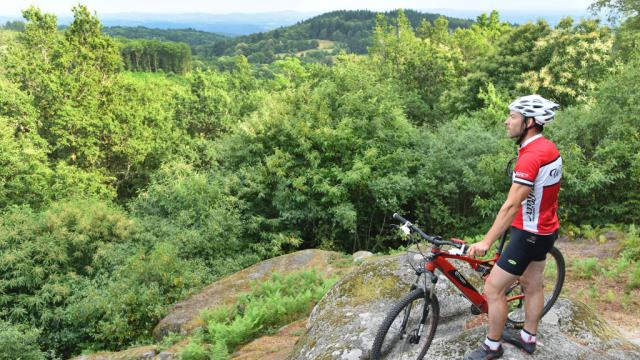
column 401, row 343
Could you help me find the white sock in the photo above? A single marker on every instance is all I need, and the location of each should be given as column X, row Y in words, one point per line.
column 493, row 345
column 527, row 337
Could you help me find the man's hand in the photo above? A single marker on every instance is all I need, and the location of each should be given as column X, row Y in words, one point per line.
column 478, row 249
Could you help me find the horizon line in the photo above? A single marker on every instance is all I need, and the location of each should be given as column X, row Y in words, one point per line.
column 65, row 14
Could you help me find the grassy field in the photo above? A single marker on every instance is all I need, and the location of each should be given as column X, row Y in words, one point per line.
column 322, row 45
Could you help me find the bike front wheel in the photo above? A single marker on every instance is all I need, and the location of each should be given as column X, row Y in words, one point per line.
column 553, row 279
column 408, row 329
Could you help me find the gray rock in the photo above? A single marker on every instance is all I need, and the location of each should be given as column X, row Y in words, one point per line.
column 166, row 356
column 361, row 255
column 344, row 323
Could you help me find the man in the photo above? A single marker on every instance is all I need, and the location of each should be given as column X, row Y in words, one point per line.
column 530, row 208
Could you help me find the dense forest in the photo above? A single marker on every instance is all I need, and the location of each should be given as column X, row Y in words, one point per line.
column 156, row 56
column 350, row 31
column 122, row 192
column 190, row 37
column 318, row 39
column 338, row 31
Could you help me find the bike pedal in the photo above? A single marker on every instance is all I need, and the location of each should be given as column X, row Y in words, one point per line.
column 414, row 338
column 475, row 310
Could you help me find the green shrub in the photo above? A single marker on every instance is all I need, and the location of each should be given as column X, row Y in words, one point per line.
column 600, row 143
column 19, row 343
column 634, row 277
column 192, row 210
column 270, row 305
column 194, row 351
column 461, row 181
column 631, row 245
column 324, row 161
column 614, row 267
column 85, row 273
column 115, row 311
column 219, row 351
column 49, row 258
column 585, row 268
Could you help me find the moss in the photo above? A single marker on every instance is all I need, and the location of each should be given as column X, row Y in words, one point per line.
column 324, row 357
column 584, row 319
column 304, row 342
column 369, row 282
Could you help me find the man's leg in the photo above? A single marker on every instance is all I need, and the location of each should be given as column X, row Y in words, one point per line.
column 495, row 288
column 532, row 281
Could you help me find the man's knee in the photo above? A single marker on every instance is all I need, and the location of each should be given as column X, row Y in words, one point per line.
column 493, row 292
column 531, row 285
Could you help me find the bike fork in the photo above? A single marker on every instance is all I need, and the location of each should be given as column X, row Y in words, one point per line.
column 414, row 337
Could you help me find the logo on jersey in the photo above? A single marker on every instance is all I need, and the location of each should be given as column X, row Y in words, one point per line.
column 522, row 175
column 530, row 206
column 554, row 173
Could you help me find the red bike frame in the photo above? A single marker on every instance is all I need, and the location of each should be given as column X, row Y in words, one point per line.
column 441, row 263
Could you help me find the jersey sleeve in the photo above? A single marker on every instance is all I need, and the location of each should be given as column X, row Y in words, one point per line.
column 526, row 169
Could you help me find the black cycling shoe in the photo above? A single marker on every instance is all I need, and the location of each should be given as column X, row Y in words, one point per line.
column 484, row 353
column 512, row 336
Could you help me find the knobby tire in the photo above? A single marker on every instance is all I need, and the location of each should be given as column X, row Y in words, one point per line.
column 399, row 345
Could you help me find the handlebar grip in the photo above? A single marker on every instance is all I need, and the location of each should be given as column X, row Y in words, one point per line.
column 400, row 218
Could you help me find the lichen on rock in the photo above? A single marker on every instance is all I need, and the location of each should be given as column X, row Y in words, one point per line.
column 343, row 324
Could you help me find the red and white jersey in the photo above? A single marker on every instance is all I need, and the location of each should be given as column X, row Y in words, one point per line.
column 539, row 166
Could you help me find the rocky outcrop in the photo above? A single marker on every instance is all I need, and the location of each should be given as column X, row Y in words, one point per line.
column 344, row 323
column 139, row 353
column 359, row 256
column 185, row 316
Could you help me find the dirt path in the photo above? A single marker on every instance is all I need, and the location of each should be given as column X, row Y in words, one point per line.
column 619, row 306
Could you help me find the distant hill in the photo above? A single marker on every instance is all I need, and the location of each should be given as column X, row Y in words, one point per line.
column 235, row 24
column 316, row 38
column 519, row 16
column 228, row 24
column 191, row 37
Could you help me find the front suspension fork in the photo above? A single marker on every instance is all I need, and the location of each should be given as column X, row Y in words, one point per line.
column 415, row 335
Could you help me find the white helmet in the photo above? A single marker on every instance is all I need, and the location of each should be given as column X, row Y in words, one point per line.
column 535, row 106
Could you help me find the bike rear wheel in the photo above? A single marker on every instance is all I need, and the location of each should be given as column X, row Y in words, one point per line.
column 554, row 272
column 398, row 337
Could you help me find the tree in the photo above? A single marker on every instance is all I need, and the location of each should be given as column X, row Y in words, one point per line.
column 572, row 62
column 14, row 25
column 625, row 10
column 70, row 79
column 428, row 68
column 205, row 111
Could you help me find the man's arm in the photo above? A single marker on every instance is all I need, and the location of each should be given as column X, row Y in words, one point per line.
column 508, row 211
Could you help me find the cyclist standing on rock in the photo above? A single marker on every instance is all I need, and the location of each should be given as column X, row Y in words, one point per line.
column 530, row 209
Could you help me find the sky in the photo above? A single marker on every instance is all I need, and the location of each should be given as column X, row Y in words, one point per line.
column 62, row 7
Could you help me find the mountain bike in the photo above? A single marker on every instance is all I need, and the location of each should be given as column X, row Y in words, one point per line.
column 409, row 327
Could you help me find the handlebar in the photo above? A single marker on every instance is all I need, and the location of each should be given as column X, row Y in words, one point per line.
column 436, row 240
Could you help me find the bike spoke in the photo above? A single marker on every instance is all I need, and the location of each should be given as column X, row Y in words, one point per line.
column 400, row 340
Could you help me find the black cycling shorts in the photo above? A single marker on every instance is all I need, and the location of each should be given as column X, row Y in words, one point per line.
column 523, row 248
